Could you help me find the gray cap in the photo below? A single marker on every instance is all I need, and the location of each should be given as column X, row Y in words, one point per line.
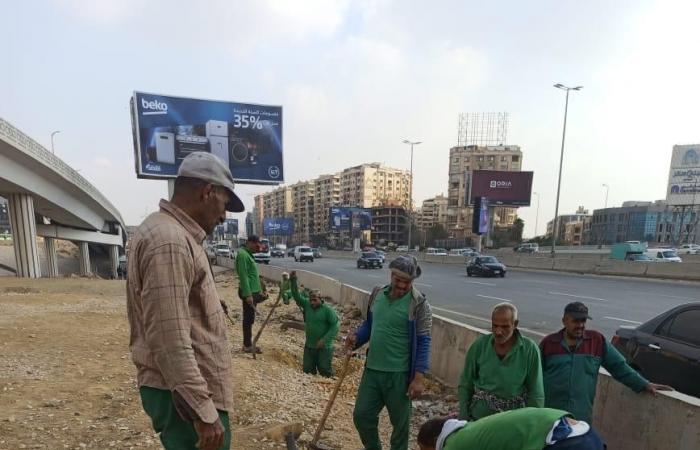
column 208, row 167
column 406, row 266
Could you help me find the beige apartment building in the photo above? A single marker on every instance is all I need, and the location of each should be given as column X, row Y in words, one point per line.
column 465, row 159
column 433, row 212
column 327, row 195
column 303, row 194
column 258, row 213
column 370, row 185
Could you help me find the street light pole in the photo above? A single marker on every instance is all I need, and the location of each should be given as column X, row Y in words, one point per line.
column 561, row 162
column 537, row 213
column 605, row 227
column 52, row 135
column 410, row 198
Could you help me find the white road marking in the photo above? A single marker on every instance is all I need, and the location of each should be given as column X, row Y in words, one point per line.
column 494, row 298
column 578, row 296
column 479, row 282
column 373, row 276
column 622, row 320
column 667, row 296
column 527, row 330
column 423, row 284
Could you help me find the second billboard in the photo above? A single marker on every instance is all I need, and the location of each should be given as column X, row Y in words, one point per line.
column 501, row 187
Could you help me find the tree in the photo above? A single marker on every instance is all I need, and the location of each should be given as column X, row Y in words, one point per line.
column 436, row 232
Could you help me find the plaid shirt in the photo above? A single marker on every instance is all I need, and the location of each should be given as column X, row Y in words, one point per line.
column 178, row 329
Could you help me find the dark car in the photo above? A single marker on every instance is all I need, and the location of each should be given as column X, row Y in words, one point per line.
column 317, row 253
column 277, row 253
column 290, row 252
column 368, row 260
column 486, row 266
column 666, row 349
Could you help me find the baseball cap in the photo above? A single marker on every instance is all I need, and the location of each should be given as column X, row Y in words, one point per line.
column 406, row 266
column 208, row 167
column 577, row 310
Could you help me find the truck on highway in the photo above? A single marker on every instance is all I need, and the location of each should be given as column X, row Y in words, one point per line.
column 627, row 251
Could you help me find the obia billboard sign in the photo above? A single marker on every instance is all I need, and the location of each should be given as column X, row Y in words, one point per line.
column 246, row 137
column 501, row 187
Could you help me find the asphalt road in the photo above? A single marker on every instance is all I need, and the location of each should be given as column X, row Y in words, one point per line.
column 539, row 295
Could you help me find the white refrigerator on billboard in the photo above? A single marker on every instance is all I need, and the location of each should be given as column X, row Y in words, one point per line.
column 217, row 133
column 165, row 147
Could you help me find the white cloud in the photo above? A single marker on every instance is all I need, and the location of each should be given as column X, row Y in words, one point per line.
column 102, row 11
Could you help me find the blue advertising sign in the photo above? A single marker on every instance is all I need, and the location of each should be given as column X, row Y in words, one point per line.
column 278, row 226
column 247, row 137
column 480, row 220
column 346, row 218
column 231, row 226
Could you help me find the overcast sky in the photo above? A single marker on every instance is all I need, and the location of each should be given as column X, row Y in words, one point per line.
column 357, row 77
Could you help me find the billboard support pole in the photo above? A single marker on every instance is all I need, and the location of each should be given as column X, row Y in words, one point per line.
column 171, row 189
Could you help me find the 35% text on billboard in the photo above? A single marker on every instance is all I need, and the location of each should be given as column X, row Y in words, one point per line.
column 247, row 121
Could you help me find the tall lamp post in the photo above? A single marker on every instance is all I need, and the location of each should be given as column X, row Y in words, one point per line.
column 410, row 198
column 561, row 162
column 54, row 133
column 605, row 227
column 537, row 213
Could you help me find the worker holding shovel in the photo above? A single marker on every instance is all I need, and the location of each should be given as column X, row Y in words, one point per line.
column 398, row 329
column 321, row 326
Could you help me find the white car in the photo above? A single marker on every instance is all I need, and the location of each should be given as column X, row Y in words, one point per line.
column 689, row 249
column 663, row 255
column 222, row 250
column 302, row 254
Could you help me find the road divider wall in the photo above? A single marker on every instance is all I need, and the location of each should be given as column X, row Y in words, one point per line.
column 627, row 421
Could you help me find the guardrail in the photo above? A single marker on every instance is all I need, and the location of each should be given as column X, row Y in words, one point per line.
column 627, row 421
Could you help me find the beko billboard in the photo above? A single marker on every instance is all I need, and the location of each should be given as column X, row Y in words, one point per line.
column 247, row 137
column 501, row 187
column 684, row 176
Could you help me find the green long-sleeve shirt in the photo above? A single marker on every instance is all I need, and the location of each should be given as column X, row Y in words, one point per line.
column 521, row 429
column 520, row 371
column 248, row 276
column 320, row 323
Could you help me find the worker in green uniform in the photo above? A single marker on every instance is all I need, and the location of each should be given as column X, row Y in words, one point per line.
column 398, row 329
column 321, row 326
column 502, row 370
column 520, row 429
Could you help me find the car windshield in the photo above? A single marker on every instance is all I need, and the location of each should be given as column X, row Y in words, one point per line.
column 669, row 254
column 488, row 260
column 304, row 249
column 369, row 255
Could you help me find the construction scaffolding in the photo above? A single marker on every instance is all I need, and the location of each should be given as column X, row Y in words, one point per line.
column 489, row 128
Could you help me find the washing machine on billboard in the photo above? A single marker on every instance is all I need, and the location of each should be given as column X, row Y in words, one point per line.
column 165, row 147
column 185, row 145
column 217, row 133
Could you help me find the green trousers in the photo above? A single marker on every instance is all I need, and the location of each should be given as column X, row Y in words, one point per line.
column 377, row 390
column 318, row 360
column 175, row 433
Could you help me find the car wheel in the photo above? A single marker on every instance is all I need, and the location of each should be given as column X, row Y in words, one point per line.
column 381, row 267
column 503, row 275
column 469, row 273
column 311, row 260
column 267, row 262
column 295, row 259
column 358, row 266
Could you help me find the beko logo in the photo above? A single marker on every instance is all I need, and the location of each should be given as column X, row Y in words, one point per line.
column 500, row 184
column 153, row 107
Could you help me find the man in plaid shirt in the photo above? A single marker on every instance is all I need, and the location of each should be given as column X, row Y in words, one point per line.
column 178, row 340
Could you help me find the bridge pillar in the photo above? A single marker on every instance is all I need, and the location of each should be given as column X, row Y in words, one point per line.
column 51, row 259
column 114, row 260
column 23, row 226
column 84, row 258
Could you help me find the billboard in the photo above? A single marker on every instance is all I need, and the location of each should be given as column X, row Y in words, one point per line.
column 231, row 226
column 480, row 219
column 247, row 137
column 502, row 187
column 347, row 218
column 684, row 176
column 278, row 226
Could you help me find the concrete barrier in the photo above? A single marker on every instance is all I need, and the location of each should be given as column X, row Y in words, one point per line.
column 627, row 421
column 675, row 271
column 575, row 265
column 624, row 268
column 546, row 263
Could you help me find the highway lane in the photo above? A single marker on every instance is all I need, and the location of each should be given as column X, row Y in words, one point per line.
column 539, row 295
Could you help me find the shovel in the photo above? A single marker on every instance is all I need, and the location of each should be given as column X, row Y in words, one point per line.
column 315, row 445
column 269, row 316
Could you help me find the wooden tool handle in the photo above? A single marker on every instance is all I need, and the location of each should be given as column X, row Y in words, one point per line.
column 267, row 319
column 329, row 405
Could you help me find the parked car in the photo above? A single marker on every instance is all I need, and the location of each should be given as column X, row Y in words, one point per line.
column 223, row 250
column 369, row 260
column 689, row 249
column 469, row 253
column 486, row 266
column 402, row 248
column 527, row 247
column 263, row 256
column 277, row 253
column 666, row 349
column 381, row 255
column 663, row 254
column 302, row 254
column 290, row 252
column 436, row 251
column 317, row 253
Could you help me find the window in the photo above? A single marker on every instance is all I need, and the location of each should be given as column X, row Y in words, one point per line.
column 684, row 327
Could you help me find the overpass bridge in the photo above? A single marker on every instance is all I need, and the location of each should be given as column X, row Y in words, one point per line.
column 48, row 198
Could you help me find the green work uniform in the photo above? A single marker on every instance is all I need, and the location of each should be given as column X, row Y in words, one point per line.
column 521, row 429
column 248, row 276
column 320, row 324
column 507, row 381
column 385, row 379
column 175, row 432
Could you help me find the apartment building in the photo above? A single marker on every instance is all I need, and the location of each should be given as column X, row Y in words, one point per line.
column 464, row 160
column 303, row 194
column 370, row 185
column 327, row 195
column 432, row 212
